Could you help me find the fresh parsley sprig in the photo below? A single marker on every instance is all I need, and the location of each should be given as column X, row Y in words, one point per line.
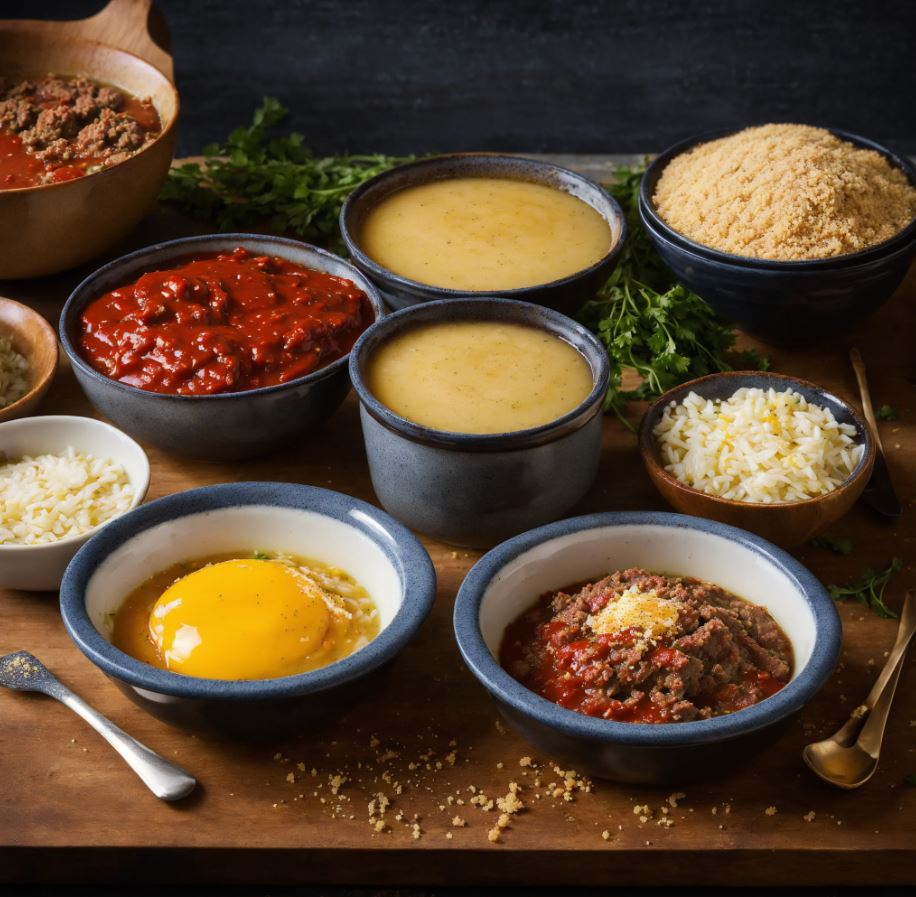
column 255, row 180
column 652, row 324
column 869, row 588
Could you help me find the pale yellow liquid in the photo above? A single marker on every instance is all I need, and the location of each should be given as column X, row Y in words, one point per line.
column 479, row 376
column 481, row 234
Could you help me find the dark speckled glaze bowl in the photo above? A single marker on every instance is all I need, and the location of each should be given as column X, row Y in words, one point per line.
column 782, row 302
column 477, row 489
column 226, row 425
column 566, row 295
column 509, row 579
column 789, row 524
column 336, row 529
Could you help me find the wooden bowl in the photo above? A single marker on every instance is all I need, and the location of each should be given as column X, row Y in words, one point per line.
column 34, row 338
column 788, row 524
column 53, row 227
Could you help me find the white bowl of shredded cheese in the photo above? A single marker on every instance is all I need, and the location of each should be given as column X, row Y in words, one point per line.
column 774, row 454
column 62, row 478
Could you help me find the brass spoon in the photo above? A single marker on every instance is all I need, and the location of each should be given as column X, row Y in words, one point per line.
column 25, row 672
column 849, row 758
column 879, row 493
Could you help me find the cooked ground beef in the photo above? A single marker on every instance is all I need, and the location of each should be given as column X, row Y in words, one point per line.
column 67, row 127
column 642, row 647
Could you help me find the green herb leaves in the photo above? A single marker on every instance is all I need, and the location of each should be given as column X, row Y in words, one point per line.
column 888, row 412
column 869, row 588
column 652, row 324
column 837, row 546
column 254, row 181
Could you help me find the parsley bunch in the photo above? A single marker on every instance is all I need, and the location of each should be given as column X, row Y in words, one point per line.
column 651, row 323
column 256, row 181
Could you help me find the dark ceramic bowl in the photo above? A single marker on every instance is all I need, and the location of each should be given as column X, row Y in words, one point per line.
column 787, row 523
column 509, row 579
column 476, row 489
column 779, row 301
column 227, row 425
column 330, row 527
column 566, row 295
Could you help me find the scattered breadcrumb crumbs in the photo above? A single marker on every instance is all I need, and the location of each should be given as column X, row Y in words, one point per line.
column 809, row 817
column 606, row 835
column 771, row 811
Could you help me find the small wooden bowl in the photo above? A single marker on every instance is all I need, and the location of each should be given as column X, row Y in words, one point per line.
column 53, row 227
column 34, row 338
column 788, row 524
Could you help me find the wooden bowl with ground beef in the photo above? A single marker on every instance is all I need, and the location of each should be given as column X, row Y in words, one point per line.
column 57, row 224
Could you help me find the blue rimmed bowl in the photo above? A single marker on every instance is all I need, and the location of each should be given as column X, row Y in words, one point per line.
column 783, row 302
column 330, row 527
column 222, row 426
column 477, row 489
column 567, row 294
column 509, row 579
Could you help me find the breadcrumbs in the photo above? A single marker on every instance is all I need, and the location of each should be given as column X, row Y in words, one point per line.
column 785, row 192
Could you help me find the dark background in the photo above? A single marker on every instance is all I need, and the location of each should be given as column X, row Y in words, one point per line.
column 535, row 75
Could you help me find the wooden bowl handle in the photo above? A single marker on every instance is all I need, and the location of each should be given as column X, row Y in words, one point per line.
column 136, row 26
column 133, row 25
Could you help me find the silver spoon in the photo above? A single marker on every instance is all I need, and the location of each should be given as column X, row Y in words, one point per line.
column 849, row 758
column 24, row 672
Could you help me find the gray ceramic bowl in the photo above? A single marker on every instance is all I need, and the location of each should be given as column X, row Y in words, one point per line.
column 509, row 579
column 342, row 531
column 566, row 295
column 469, row 489
column 227, row 425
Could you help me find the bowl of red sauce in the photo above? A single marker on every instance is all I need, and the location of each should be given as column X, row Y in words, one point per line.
column 218, row 347
column 646, row 647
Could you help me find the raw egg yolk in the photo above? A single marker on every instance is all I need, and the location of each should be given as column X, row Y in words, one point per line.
column 240, row 619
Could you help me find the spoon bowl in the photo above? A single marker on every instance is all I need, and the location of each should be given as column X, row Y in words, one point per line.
column 849, row 758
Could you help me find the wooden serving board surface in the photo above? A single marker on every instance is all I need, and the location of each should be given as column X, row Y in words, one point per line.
column 71, row 811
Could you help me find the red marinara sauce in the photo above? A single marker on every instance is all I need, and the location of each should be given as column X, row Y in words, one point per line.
column 223, row 322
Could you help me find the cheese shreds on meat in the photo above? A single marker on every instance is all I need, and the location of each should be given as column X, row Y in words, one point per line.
column 654, row 616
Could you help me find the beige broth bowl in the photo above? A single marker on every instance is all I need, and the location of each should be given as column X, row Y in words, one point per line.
column 53, row 227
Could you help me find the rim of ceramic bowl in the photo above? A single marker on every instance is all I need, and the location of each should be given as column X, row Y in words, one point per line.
column 648, row 446
column 653, row 220
column 478, row 309
column 167, row 131
column 83, row 294
column 790, row 699
column 49, row 335
column 616, row 216
column 400, row 546
column 55, row 420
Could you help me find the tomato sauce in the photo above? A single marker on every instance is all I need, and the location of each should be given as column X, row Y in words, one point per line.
column 223, row 322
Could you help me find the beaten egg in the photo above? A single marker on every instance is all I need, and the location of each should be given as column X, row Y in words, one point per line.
column 479, row 376
column 245, row 618
column 481, row 234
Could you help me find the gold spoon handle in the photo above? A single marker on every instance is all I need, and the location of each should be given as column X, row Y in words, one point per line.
column 881, row 696
column 858, row 366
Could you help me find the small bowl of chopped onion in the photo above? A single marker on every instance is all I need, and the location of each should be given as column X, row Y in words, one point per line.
column 772, row 454
column 28, row 359
column 62, row 479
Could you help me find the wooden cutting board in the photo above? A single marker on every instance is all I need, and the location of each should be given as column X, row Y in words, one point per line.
column 71, row 811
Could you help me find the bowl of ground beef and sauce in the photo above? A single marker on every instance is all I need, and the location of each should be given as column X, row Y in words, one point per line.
column 87, row 133
column 792, row 231
column 646, row 647
column 218, row 347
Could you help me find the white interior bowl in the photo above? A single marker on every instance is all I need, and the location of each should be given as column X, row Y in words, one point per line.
column 41, row 567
